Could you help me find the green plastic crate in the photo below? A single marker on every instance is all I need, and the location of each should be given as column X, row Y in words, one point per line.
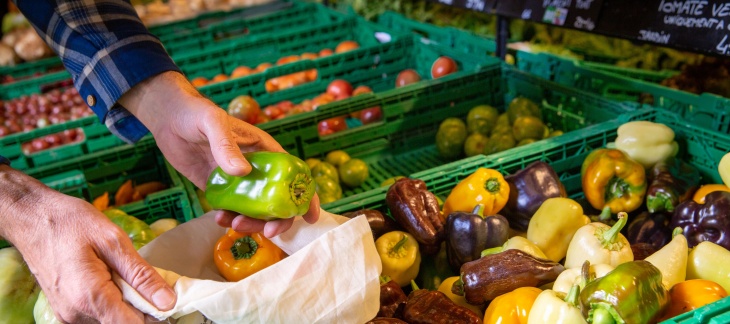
column 403, row 142
column 96, row 138
column 706, row 110
column 439, row 35
column 699, row 147
column 33, row 85
column 30, row 68
column 250, row 28
column 193, row 197
column 252, row 52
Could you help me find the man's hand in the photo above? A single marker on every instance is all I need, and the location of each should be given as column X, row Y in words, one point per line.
column 196, row 136
column 72, row 249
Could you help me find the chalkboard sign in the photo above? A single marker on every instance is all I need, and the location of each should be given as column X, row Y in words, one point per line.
column 486, row 6
column 697, row 25
column 579, row 14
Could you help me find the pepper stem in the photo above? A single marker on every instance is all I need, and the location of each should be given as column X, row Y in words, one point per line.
column 491, row 251
column 601, row 316
column 605, row 214
column 492, row 185
column 458, row 287
column 414, row 286
column 299, row 188
column 572, row 297
column 400, row 244
column 610, row 236
column 676, row 231
column 479, row 210
column 384, row 280
column 585, row 274
column 244, row 248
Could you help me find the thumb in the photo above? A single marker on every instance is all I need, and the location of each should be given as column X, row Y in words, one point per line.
column 225, row 151
column 139, row 274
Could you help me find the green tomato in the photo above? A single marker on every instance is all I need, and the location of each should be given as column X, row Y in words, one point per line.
column 475, row 144
column 499, row 143
column 18, row 288
column 139, row 232
column 353, row 173
column 503, row 119
column 328, row 189
column 529, row 127
column 337, row 158
column 520, row 107
column 482, row 119
column 450, row 138
column 327, row 170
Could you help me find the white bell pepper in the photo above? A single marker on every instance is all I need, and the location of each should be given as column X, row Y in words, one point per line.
column 599, row 244
column 557, row 308
column 646, row 142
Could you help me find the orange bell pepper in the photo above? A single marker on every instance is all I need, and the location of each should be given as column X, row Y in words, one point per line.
column 692, row 294
column 700, row 194
column 484, row 186
column 239, row 255
column 513, row 307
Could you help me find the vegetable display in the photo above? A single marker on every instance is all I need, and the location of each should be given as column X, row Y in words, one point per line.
column 280, row 185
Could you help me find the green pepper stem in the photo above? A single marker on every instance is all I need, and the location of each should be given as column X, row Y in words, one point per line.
column 414, row 286
column 572, row 297
column 585, row 274
column 602, row 316
column 384, row 279
column 610, row 236
column 479, row 210
column 400, row 244
column 244, row 248
column 299, row 187
column 492, row 185
column 491, row 251
column 605, row 214
column 458, row 287
column 676, row 231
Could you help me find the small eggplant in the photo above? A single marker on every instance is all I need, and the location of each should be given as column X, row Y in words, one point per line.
column 418, row 211
column 379, row 223
column 487, row 278
column 528, row 189
column 468, row 234
column 652, row 228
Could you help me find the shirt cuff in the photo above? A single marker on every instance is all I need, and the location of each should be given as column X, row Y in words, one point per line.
column 115, row 70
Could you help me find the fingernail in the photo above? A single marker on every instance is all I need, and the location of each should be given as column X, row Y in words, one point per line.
column 164, row 298
column 237, row 162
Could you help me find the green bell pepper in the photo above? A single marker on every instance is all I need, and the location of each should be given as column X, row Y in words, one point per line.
column 631, row 293
column 280, row 185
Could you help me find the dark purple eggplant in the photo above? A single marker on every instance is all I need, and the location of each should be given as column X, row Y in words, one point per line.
column 528, row 189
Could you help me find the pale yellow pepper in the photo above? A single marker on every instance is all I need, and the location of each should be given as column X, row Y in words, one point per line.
column 400, row 256
column 709, row 261
column 554, row 224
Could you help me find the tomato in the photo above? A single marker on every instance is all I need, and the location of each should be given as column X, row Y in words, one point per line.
column 326, row 170
column 339, row 88
column 244, row 108
column 219, row 78
column 450, row 138
column 361, row 89
column 325, row 52
column 327, row 189
column 241, row 71
column 407, row 77
column 262, row 67
column 285, row 106
column 262, row 119
column 443, row 66
column 309, row 56
column 370, row 115
column 475, row 144
column 353, row 173
column 287, row 59
column 346, row 46
column 312, row 162
column 272, row 85
column 332, row 125
column 322, row 99
column 311, row 74
column 337, row 158
column 529, row 127
column 199, row 82
column 273, row 112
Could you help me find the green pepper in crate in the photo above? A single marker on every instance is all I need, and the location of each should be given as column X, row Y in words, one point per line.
column 280, row 185
column 631, row 293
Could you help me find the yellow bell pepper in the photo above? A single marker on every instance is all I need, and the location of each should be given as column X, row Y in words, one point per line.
column 400, row 256
column 646, row 142
column 700, row 194
column 724, row 169
column 692, row 294
column 484, row 186
column 513, row 307
column 239, row 255
column 554, row 224
column 445, row 288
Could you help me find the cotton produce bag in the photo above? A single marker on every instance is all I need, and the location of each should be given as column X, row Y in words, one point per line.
column 330, row 276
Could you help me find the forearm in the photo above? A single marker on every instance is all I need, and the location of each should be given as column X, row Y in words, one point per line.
column 20, row 204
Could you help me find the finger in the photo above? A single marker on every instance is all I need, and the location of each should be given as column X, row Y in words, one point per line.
column 312, row 214
column 134, row 270
column 247, row 224
column 252, row 138
column 224, row 218
column 276, row 227
column 224, row 147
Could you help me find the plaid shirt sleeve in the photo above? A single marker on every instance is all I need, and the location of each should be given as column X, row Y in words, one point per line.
column 107, row 50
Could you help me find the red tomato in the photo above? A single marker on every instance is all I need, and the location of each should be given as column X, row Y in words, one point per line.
column 370, row 115
column 287, row 59
column 346, row 46
column 322, row 99
column 361, row 89
column 309, row 56
column 285, row 106
column 273, row 111
column 262, row 67
column 332, row 125
column 407, row 77
column 244, row 108
column 339, row 88
column 443, row 66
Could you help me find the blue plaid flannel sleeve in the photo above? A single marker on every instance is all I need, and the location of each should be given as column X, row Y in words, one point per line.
column 107, row 50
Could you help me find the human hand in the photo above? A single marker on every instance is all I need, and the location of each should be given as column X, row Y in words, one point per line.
column 196, row 136
column 72, row 249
